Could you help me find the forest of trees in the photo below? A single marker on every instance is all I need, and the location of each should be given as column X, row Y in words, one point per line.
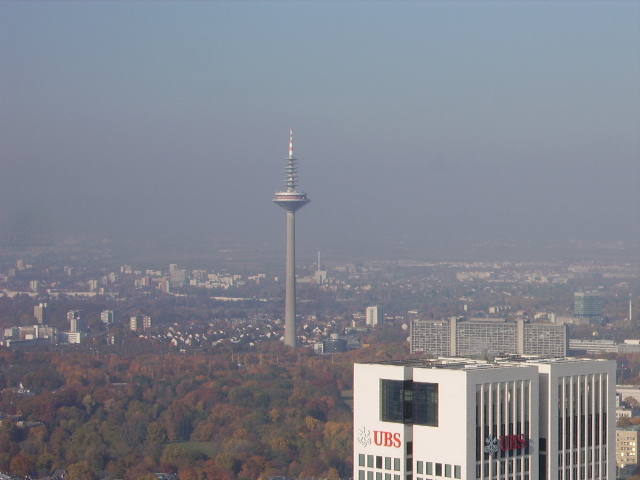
column 273, row 412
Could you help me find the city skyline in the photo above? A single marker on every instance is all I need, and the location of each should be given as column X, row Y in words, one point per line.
column 422, row 124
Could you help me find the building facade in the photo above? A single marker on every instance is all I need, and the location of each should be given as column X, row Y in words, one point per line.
column 41, row 312
column 77, row 323
column 588, row 304
column 627, row 446
column 529, row 419
column 374, row 315
column 482, row 337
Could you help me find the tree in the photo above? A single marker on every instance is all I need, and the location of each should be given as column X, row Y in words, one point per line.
column 21, row 465
column 81, row 471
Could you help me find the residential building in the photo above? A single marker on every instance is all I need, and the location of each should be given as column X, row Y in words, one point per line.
column 374, row 315
column 487, row 337
column 41, row 312
column 627, row 446
column 106, row 316
column 140, row 322
column 76, row 321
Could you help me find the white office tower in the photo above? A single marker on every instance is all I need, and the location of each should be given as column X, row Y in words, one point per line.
column 374, row 315
column 524, row 419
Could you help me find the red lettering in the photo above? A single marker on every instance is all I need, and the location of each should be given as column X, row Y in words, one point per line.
column 522, row 441
column 387, row 439
column 503, row 443
column 512, row 442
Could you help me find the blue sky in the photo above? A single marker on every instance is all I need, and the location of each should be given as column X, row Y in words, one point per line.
column 423, row 121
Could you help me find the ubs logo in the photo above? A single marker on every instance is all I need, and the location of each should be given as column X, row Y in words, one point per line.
column 364, row 436
column 504, row 443
column 380, row 438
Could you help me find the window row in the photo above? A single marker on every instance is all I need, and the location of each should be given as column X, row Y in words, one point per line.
column 439, row 469
column 583, row 472
column 503, row 467
column 369, row 475
column 376, row 461
column 589, row 457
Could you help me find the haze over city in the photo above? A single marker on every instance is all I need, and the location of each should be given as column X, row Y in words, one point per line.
column 416, row 122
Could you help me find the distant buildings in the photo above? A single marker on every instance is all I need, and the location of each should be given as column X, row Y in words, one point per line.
column 139, row 322
column 106, row 316
column 41, row 312
column 374, row 315
column 479, row 337
column 77, row 324
column 588, row 304
column 627, row 444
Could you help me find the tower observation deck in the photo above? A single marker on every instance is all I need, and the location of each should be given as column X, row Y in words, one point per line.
column 291, row 200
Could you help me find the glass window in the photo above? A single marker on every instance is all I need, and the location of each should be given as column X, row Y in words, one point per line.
column 438, row 469
column 387, row 476
column 425, row 400
column 457, row 471
column 378, row 475
column 428, row 468
column 409, row 465
column 419, row 467
column 396, row 477
column 396, row 464
column 447, row 470
column 360, row 474
column 378, row 462
column 361, row 460
column 387, row 463
column 370, row 461
column 409, row 448
column 369, row 475
column 395, row 401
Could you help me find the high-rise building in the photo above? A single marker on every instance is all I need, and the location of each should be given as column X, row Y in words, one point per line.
column 76, row 322
column 41, row 312
column 536, row 418
column 374, row 315
column 106, row 316
column 483, row 336
column 139, row 322
column 588, row 304
column 291, row 200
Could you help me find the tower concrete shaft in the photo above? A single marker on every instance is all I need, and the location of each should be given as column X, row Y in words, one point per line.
column 291, row 200
column 290, row 296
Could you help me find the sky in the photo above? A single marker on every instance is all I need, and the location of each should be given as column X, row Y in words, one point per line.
column 426, row 122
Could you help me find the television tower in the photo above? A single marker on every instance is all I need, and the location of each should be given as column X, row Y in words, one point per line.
column 291, row 200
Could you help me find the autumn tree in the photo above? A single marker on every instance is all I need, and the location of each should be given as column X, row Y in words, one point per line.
column 81, row 471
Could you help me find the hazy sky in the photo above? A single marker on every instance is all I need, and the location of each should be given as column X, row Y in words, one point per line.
column 429, row 121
